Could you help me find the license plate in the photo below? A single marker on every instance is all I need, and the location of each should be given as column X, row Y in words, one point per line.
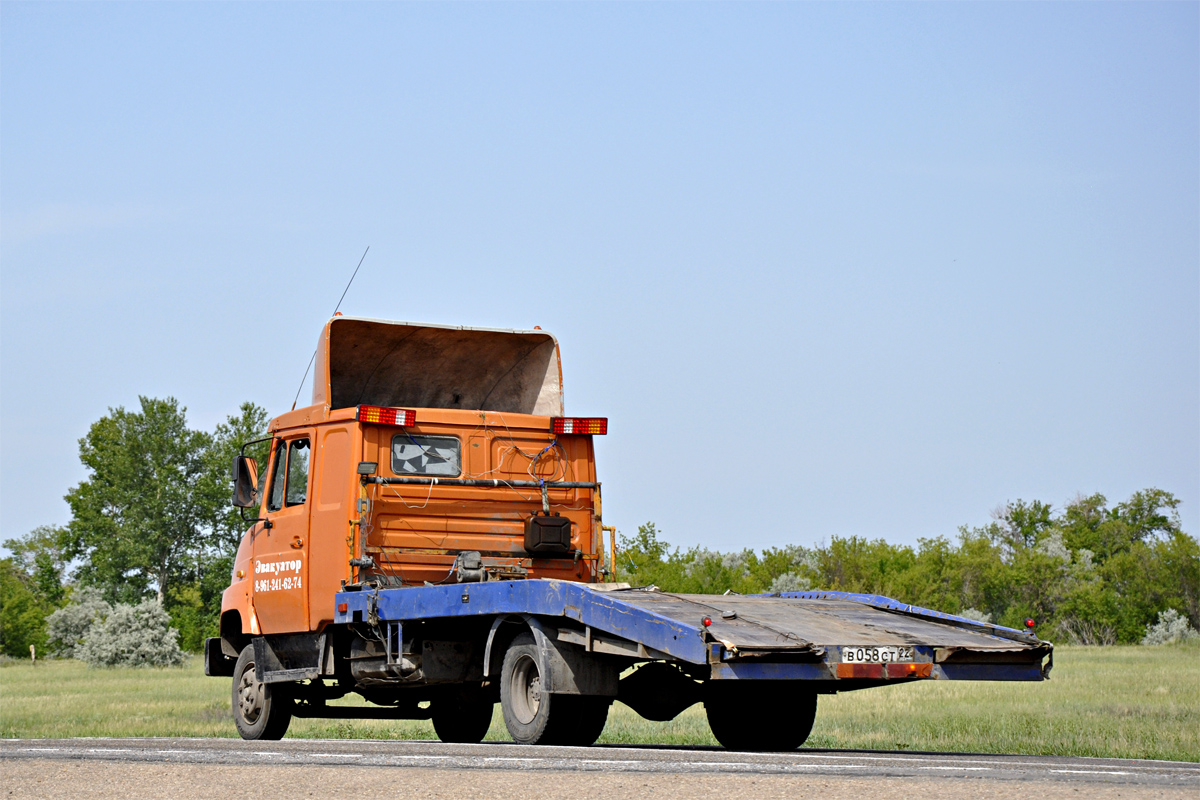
column 877, row 655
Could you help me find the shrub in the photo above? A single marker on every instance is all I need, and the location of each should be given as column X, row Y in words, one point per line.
column 977, row 615
column 133, row 636
column 790, row 582
column 69, row 626
column 1171, row 627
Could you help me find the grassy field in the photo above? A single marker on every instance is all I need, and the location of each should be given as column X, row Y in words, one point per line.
column 1128, row 702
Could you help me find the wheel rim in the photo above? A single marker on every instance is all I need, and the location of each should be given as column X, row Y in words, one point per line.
column 250, row 696
column 526, row 690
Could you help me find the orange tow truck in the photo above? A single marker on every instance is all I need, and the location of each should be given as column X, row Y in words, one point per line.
column 428, row 535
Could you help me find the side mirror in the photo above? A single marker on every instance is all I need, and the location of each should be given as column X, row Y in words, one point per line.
column 245, row 482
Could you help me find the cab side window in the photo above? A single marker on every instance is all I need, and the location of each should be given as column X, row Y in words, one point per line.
column 297, row 472
column 275, row 501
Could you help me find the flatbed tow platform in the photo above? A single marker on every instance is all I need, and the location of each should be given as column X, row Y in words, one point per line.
column 838, row 640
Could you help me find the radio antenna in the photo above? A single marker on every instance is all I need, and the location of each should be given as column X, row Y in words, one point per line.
column 334, row 314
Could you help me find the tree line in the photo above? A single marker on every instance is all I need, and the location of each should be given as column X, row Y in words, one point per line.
column 1089, row 573
column 152, row 521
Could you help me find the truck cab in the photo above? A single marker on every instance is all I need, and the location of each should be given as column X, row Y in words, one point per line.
column 422, row 444
column 429, row 455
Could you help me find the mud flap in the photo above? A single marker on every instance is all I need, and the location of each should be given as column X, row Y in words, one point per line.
column 216, row 663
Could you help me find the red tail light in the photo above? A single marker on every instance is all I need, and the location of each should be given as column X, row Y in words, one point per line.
column 597, row 426
column 402, row 417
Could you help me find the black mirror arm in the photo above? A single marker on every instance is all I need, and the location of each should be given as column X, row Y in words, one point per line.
column 254, row 441
column 267, row 524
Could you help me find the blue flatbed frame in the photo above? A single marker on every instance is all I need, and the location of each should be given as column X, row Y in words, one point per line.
column 607, row 612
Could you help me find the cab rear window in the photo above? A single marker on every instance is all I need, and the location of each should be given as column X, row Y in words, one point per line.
column 426, row 455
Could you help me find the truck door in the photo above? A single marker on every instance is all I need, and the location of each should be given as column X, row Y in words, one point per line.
column 280, row 564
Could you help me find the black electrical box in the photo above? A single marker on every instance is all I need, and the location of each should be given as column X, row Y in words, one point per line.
column 548, row 535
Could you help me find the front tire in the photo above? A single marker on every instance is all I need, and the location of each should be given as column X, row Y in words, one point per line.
column 260, row 710
column 760, row 716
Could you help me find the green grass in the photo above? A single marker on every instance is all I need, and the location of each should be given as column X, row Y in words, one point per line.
column 1127, row 702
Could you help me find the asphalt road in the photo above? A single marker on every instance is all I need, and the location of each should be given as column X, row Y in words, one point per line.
column 171, row 761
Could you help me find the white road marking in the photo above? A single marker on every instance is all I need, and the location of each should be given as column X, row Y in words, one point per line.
column 177, row 751
column 957, row 769
column 1090, row 772
column 40, row 749
column 335, row 755
column 110, row 750
column 257, row 753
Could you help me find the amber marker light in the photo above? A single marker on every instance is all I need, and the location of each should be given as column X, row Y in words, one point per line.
column 400, row 417
column 596, row 426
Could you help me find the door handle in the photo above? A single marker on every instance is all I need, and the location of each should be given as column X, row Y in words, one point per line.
column 297, row 543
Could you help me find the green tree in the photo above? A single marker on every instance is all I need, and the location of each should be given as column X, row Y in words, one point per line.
column 41, row 556
column 22, row 612
column 646, row 560
column 225, row 521
column 195, row 605
column 152, row 516
column 138, row 517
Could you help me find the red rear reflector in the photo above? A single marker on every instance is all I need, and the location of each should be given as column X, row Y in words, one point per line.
column 597, row 426
column 343, row 608
column 403, row 417
column 885, row 671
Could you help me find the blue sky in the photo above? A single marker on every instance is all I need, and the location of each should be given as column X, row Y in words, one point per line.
column 829, row 269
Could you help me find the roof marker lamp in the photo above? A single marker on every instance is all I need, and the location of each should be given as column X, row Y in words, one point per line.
column 400, row 417
column 596, row 426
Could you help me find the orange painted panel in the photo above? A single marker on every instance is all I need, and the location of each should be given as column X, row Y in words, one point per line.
column 329, row 550
column 279, row 564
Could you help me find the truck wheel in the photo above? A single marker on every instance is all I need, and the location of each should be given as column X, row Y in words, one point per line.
column 760, row 717
column 462, row 715
column 536, row 717
column 526, row 707
column 260, row 710
column 583, row 716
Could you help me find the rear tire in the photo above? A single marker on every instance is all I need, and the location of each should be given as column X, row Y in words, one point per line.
column 581, row 719
column 260, row 710
column 533, row 716
column 760, row 716
column 526, row 707
column 462, row 715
